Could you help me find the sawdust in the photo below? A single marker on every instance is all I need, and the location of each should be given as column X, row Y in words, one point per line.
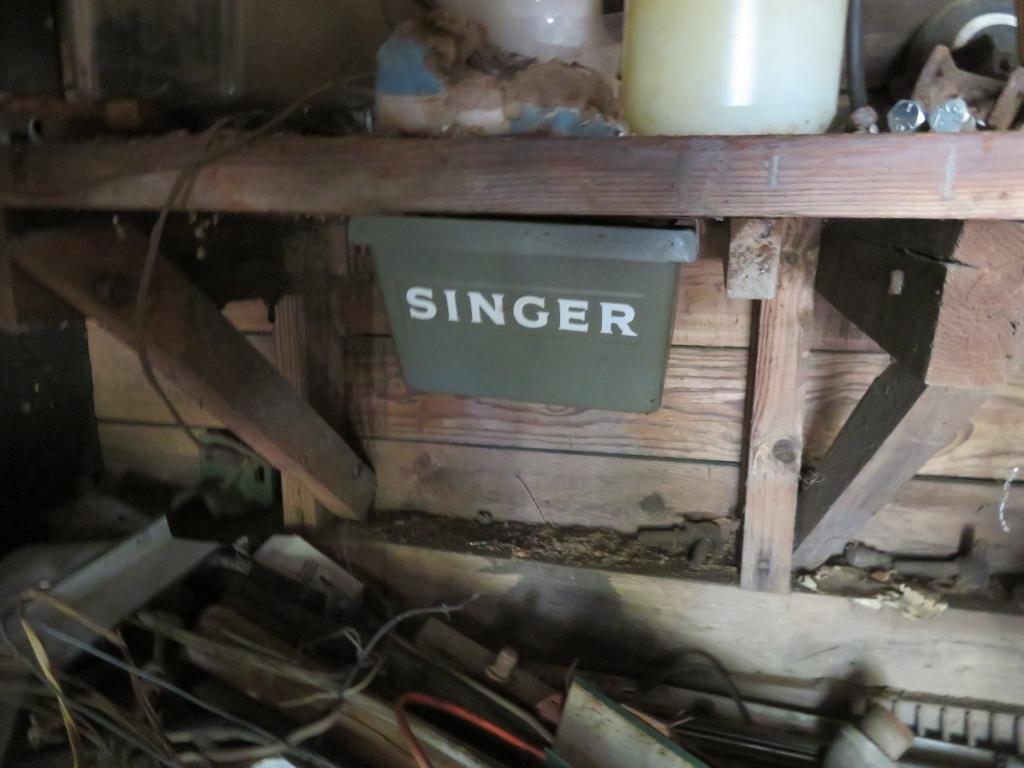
column 579, row 547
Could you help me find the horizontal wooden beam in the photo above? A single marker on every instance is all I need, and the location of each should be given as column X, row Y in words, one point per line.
column 944, row 298
column 926, row 519
column 700, row 419
column 560, row 613
column 193, row 345
column 927, row 176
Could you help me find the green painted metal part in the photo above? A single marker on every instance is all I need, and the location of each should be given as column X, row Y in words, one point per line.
column 233, row 465
column 557, row 314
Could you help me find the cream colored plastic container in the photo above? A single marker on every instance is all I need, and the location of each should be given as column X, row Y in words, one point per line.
column 732, row 66
column 571, row 30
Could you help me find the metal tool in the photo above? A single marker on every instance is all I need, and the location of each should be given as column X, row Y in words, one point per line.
column 971, row 571
column 700, row 542
column 952, row 116
column 906, row 116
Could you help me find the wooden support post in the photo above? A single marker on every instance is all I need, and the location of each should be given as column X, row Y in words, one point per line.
column 297, row 501
column 752, row 271
column 897, row 426
column 192, row 344
column 776, row 427
column 944, row 298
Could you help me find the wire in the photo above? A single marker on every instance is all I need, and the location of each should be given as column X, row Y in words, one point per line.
column 181, row 693
column 423, row 700
column 480, row 688
column 677, row 668
column 362, row 657
column 856, row 78
column 185, row 177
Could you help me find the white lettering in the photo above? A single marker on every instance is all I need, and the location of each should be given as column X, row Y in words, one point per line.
column 572, row 315
column 617, row 315
column 421, row 303
column 529, row 301
column 494, row 310
column 453, row 308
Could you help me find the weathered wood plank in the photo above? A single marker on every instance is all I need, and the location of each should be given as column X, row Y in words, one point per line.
column 121, row 392
column 969, row 175
column 549, row 488
column 700, row 418
column 946, row 299
column 249, row 316
column 201, row 353
column 776, row 424
column 297, row 501
column 835, row 382
column 933, row 517
column 927, row 518
column 899, row 424
column 752, row 267
column 599, row 615
column 162, row 453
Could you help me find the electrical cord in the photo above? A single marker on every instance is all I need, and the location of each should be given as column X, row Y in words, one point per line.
column 423, row 700
column 855, row 72
column 681, row 667
column 183, row 694
column 363, row 656
column 182, row 183
column 520, row 714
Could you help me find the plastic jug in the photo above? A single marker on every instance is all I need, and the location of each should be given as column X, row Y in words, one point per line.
column 732, row 66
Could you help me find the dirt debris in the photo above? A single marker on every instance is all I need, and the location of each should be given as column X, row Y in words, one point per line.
column 599, row 548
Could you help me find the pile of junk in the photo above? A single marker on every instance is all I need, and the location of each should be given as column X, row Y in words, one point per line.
column 597, row 68
column 189, row 644
column 701, row 67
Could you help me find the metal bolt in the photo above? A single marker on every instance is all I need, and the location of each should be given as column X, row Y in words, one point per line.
column 504, row 664
column 906, row 116
column 953, row 116
column 785, row 451
column 897, row 279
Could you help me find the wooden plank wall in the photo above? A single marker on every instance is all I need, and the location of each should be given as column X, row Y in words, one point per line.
column 541, row 464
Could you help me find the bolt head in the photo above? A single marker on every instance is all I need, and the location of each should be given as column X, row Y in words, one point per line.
column 952, row 116
column 906, row 116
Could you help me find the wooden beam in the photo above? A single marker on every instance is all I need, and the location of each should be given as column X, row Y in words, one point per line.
column 752, row 269
column 944, row 298
column 897, row 426
column 701, row 418
column 560, row 613
column 197, row 349
column 297, row 501
column 776, row 426
column 928, row 176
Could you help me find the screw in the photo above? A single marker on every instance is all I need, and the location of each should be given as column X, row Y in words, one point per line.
column 897, row 279
column 504, row 664
column 953, row 116
column 906, row 116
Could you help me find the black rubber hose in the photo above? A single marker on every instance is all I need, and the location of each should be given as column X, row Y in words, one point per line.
column 855, row 75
